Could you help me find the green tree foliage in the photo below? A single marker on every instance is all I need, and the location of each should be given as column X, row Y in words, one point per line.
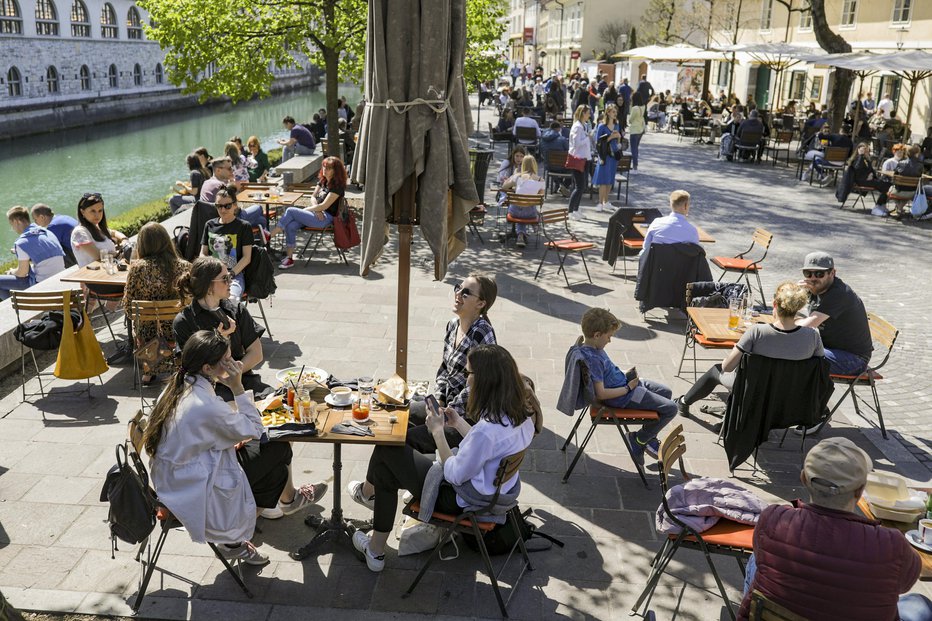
column 484, row 28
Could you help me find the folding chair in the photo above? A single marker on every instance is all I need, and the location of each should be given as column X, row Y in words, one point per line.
column 146, row 311
column 726, row 538
column 833, row 160
column 744, row 266
column 695, row 338
column 563, row 247
column 317, row 235
column 859, row 192
column 781, row 142
column 600, row 414
column 102, row 299
column 247, row 299
column 523, row 200
column 884, row 334
column 167, row 522
column 527, row 137
column 470, row 522
column 902, row 192
column 623, row 173
column 634, row 245
column 556, row 169
column 31, row 302
column 765, row 609
column 748, row 142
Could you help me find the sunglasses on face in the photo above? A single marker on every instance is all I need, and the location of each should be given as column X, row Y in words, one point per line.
column 90, row 198
column 226, row 205
column 226, row 278
column 463, row 291
column 814, row 273
column 467, row 372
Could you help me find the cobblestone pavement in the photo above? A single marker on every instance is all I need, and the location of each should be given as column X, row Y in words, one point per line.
column 54, row 550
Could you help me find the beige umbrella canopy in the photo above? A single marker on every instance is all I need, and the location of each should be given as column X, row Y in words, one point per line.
column 680, row 53
column 413, row 152
column 778, row 57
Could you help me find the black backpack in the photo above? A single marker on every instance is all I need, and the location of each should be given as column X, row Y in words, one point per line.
column 180, row 236
column 501, row 539
column 44, row 332
column 260, row 274
column 132, row 501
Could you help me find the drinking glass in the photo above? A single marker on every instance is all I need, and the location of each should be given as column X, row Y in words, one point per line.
column 364, row 403
column 302, row 406
column 734, row 313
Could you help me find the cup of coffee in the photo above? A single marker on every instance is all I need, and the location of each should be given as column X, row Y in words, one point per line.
column 925, row 531
column 341, row 395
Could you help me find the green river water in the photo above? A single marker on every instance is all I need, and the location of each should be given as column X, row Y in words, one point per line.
column 137, row 160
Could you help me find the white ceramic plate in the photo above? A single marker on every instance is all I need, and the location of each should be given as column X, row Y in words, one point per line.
column 332, row 403
column 314, row 373
column 913, row 538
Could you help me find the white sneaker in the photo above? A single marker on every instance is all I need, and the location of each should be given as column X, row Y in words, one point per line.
column 361, row 543
column 272, row 513
column 575, row 215
column 355, row 491
column 879, row 211
column 246, row 552
column 407, row 497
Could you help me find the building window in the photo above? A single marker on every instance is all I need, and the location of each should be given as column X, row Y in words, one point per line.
column 805, row 20
column 133, row 24
column 14, row 83
column 51, row 79
column 46, row 18
column 11, row 21
column 137, row 75
column 113, row 76
column 159, row 76
column 798, row 85
column 901, row 11
column 85, row 77
column 108, row 22
column 80, row 23
column 849, row 12
column 815, row 92
column 766, row 14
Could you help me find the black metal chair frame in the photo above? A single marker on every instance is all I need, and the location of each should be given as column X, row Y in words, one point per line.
column 672, row 450
column 555, row 168
column 468, row 522
column 318, row 236
column 146, row 311
column 623, row 173
column 759, row 237
column 527, row 133
column 748, row 141
column 493, row 139
column 692, row 341
column 553, row 216
column 779, row 145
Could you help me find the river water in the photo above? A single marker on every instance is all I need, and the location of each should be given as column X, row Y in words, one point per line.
column 137, row 160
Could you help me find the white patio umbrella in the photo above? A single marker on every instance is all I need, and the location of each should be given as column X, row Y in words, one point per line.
column 680, row 53
column 778, row 57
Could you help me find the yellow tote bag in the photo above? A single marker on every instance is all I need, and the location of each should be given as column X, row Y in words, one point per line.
column 79, row 355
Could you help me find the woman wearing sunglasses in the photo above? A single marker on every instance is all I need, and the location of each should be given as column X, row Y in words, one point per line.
column 229, row 239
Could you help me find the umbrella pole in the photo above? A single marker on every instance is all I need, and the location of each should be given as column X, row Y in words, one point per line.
column 404, row 208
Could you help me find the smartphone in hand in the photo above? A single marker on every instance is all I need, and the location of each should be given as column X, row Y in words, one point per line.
column 632, row 374
column 224, row 320
column 432, row 404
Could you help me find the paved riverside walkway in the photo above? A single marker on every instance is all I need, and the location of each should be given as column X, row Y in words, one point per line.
column 54, row 549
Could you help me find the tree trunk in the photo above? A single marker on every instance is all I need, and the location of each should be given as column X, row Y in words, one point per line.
column 833, row 44
column 332, row 67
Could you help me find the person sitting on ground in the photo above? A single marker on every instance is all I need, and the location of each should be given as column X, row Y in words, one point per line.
column 822, row 559
column 781, row 339
column 154, row 277
column 257, row 162
column 525, row 120
column 524, row 182
column 327, row 200
column 613, row 387
column 37, row 251
column 675, row 228
column 837, row 311
column 502, row 428
column 229, row 239
column 300, row 141
column 58, row 225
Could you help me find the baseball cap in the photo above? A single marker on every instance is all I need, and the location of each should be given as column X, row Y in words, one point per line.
column 836, row 466
column 818, row 260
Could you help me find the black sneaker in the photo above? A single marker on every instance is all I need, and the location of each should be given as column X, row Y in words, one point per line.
column 637, row 449
column 682, row 408
column 122, row 355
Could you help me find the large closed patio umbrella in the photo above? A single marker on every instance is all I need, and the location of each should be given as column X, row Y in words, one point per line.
column 778, row 57
column 413, row 154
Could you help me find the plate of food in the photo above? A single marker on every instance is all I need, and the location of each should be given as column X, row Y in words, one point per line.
column 311, row 374
column 276, row 417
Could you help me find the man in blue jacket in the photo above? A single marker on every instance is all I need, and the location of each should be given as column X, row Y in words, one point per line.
column 553, row 140
column 59, row 225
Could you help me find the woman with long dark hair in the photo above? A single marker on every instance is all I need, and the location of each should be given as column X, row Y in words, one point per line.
column 325, row 205
column 92, row 236
column 153, row 276
column 500, row 426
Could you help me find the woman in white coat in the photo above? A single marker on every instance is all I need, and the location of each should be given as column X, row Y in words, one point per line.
column 192, row 437
column 581, row 148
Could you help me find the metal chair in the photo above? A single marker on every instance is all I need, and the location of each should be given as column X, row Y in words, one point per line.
column 563, row 247
column 747, row 142
column 623, row 173
column 556, row 169
column 496, row 137
column 695, row 338
column 523, row 200
column 726, row 538
column 317, row 235
column 470, row 522
column 156, row 312
column 743, row 266
column 902, row 191
column 528, row 138
column 860, row 192
column 833, row 160
column 31, row 302
column 781, row 142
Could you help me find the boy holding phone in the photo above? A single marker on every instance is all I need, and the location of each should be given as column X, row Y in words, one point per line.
column 624, row 390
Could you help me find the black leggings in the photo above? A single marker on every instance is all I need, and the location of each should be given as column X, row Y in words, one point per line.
column 393, row 468
column 704, row 385
column 266, row 468
column 580, row 177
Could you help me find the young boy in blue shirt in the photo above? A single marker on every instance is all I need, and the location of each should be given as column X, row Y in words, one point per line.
column 615, row 390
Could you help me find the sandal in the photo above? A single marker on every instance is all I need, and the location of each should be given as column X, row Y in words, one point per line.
column 305, row 496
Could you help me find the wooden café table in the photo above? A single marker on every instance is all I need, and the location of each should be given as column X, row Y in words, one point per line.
column 713, row 323
column 259, row 197
column 95, row 274
column 337, row 528
column 704, row 237
column 925, row 574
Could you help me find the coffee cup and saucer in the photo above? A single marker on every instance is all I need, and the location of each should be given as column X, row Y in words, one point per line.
column 340, row 397
column 922, row 537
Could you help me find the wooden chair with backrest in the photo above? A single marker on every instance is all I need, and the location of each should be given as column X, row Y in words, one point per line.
column 556, row 169
column 600, row 414
column 497, row 137
column 623, row 173
column 884, row 335
column 781, row 142
column 833, row 160
column 695, row 339
column 859, row 192
column 747, row 143
column 903, row 190
column 630, row 246
column 765, row 609
column 523, row 200
column 527, row 137
column 557, row 220
column 26, row 304
column 473, row 523
column 167, row 522
column 149, row 312
column 744, row 266
column 726, row 538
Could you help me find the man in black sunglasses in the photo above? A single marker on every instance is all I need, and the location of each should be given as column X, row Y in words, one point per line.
column 839, row 314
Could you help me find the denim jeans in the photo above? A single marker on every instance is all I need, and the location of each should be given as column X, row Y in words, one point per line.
column 844, row 362
column 654, row 396
column 635, row 140
column 237, row 287
column 8, row 283
column 296, row 218
column 289, row 152
column 525, row 213
column 580, row 177
column 254, row 216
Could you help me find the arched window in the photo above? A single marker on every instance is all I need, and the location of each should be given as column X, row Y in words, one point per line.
column 113, row 76
column 137, row 75
column 108, row 22
column 80, row 23
column 85, row 76
column 159, row 74
column 14, row 83
column 46, row 18
column 51, row 79
column 11, row 20
column 133, row 24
